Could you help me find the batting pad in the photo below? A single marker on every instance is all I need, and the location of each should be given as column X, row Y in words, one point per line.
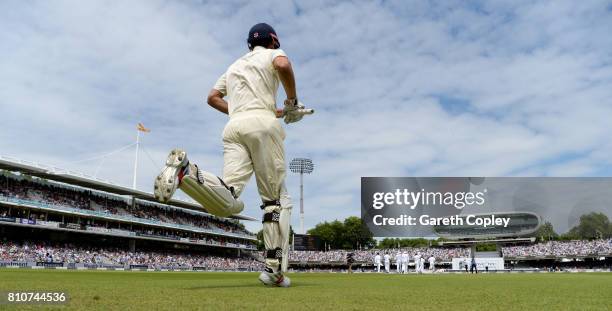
column 211, row 194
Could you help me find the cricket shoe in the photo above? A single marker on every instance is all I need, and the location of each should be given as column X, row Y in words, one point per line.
column 274, row 279
column 170, row 177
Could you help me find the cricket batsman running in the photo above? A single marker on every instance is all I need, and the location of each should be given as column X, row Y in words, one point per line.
column 252, row 143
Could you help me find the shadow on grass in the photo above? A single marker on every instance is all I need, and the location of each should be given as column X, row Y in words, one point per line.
column 249, row 285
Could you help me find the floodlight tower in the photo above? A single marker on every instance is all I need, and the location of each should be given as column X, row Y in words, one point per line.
column 301, row 166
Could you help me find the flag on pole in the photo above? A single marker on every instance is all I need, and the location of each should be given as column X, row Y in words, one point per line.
column 141, row 128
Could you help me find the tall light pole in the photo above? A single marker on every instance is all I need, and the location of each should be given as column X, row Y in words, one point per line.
column 301, row 166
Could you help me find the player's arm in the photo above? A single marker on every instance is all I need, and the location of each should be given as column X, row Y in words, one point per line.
column 293, row 110
column 285, row 73
column 215, row 97
column 215, row 100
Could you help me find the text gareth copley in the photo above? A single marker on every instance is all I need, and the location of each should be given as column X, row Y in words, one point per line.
column 426, row 220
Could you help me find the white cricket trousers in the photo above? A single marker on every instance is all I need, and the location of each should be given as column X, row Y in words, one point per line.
column 253, row 143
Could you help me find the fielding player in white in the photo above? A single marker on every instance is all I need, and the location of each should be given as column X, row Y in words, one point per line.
column 405, row 260
column 417, row 262
column 387, row 262
column 377, row 262
column 422, row 264
column 252, row 143
column 432, row 263
column 398, row 262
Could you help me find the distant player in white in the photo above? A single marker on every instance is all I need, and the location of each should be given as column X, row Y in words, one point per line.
column 422, row 264
column 432, row 263
column 417, row 262
column 387, row 262
column 405, row 260
column 377, row 262
column 398, row 262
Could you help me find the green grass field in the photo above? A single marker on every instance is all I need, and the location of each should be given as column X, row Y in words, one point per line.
column 125, row 290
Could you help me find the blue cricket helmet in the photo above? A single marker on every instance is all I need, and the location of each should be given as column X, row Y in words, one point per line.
column 262, row 34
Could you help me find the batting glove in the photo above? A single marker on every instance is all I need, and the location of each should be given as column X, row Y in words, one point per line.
column 292, row 110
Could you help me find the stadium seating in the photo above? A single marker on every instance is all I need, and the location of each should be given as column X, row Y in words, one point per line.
column 17, row 188
column 556, row 249
column 441, row 254
column 19, row 253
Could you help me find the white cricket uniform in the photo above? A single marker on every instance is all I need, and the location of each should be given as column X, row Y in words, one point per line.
column 387, row 263
column 253, row 137
column 405, row 260
column 398, row 262
column 377, row 262
column 417, row 262
column 432, row 263
column 422, row 264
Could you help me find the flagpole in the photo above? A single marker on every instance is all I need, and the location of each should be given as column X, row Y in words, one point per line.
column 136, row 158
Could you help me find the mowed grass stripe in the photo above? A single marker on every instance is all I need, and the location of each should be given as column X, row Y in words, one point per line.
column 123, row 290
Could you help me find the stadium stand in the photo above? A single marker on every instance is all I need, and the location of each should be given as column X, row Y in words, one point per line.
column 552, row 249
column 549, row 256
column 441, row 254
column 28, row 253
column 59, row 219
column 31, row 201
column 46, row 193
column 560, row 249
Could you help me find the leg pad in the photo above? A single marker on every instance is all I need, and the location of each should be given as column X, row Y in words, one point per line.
column 271, row 217
column 212, row 193
column 276, row 253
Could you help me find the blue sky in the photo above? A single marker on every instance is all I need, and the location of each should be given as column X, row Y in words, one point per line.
column 401, row 88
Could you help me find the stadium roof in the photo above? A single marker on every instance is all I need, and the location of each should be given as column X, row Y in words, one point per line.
column 87, row 181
